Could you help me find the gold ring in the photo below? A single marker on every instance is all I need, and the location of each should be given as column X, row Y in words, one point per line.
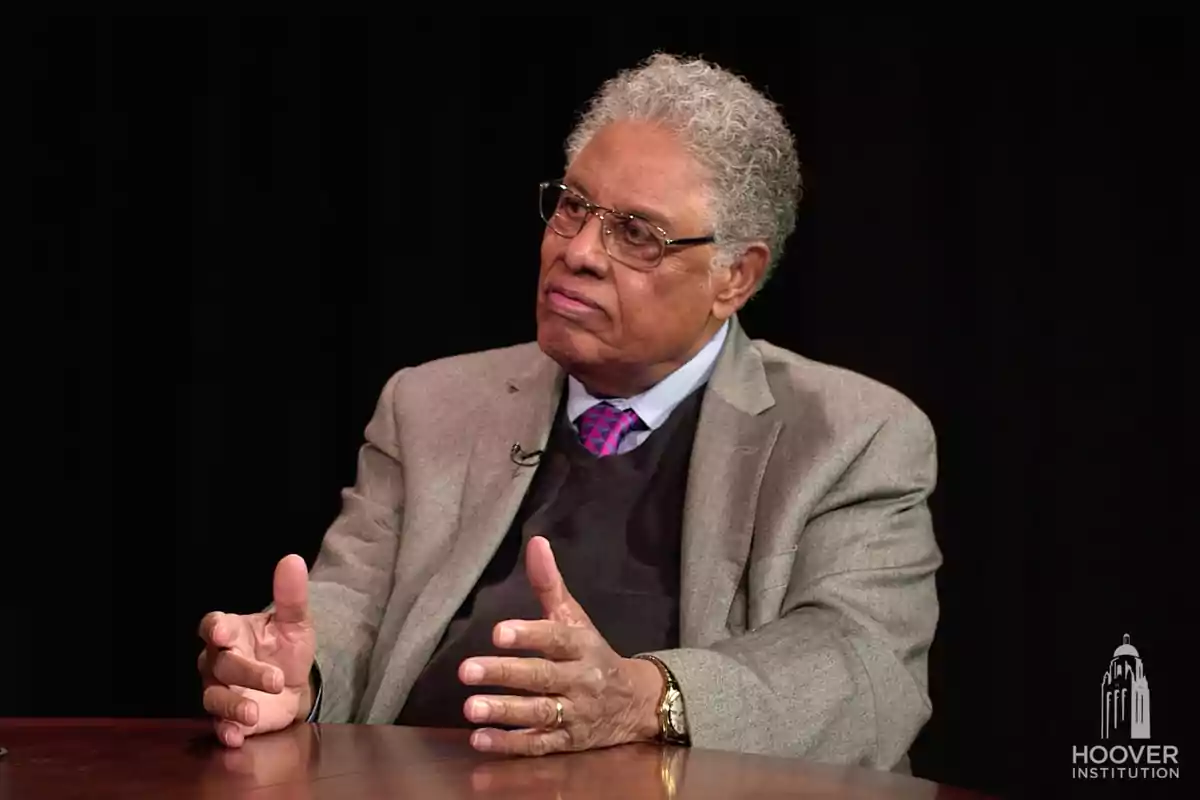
column 558, row 713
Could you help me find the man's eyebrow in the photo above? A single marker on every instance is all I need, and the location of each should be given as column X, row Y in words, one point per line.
column 649, row 214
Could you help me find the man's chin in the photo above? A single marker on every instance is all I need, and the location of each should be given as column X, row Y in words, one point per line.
column 566, row 342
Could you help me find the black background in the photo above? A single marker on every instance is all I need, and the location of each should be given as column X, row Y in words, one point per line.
column 246, row 225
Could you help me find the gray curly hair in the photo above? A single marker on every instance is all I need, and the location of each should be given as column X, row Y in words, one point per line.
column 735, row 132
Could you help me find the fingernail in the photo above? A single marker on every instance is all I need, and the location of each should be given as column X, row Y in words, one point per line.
column 481, row 741
column 472, row 673
column 479, row 710
column 505, row 636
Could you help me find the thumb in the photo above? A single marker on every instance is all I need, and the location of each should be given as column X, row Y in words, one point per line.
column 548, row 584
column 291, row 590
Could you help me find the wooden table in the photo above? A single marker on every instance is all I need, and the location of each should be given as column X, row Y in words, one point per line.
column 102, row 758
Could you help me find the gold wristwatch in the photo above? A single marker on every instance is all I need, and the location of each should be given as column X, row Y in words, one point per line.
column 672, row 717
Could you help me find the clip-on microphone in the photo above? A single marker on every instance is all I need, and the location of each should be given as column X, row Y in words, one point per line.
column 524, row 458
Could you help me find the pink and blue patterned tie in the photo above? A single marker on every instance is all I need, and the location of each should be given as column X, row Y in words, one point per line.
column 602, row 427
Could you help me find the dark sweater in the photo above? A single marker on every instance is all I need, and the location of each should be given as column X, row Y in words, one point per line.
column 614, row 524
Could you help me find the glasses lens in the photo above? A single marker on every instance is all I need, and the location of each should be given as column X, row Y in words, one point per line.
column 562, row 210
column 628, row 239
column 634, row 241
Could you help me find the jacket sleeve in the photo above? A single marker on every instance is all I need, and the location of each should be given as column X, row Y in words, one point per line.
column 351, row 578
column 841, row 675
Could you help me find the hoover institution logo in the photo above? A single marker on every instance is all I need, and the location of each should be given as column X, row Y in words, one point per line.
column 1125, row 726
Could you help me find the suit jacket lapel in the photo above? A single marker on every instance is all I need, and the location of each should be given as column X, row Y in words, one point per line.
column 493, row 489
column 733, row 443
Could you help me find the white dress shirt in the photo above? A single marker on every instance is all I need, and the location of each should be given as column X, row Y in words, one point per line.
column 655, row 404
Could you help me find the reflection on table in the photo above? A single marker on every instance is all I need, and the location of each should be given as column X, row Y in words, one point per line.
column 56, row 759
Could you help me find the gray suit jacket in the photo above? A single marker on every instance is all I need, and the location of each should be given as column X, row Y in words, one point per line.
column 808, row 558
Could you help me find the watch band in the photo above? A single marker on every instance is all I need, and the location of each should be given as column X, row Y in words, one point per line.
column 671, row 694
column 315, row 677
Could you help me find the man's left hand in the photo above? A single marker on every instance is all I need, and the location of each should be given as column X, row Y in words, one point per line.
column 606, row 699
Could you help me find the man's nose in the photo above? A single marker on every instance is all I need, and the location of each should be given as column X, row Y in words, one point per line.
column 586, row 250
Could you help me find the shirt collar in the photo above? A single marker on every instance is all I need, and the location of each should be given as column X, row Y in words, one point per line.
column 655, row 404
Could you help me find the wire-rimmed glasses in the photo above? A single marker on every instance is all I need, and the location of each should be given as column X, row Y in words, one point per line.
column 628, row 238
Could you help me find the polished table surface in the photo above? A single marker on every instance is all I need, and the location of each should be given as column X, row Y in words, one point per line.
column 128, row 758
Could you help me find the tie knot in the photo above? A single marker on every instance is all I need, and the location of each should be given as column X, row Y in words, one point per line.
column 602, row 427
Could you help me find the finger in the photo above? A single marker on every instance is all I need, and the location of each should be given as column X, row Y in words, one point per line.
column 548, row 585
column 227, row 705
column 204, row 662
column 534, row 675
column 521, row 743
column 234, row 669
column 291, row 590
column 556, row 640
column 230, row 733
column 514, row 712
column 213, row 632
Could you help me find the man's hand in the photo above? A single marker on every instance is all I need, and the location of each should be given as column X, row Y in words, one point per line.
column 255, row 667
column 606, row 699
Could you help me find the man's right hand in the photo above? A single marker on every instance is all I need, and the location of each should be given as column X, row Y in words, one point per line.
column 255, row 667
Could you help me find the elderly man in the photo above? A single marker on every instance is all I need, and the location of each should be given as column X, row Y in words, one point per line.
column 644, row 527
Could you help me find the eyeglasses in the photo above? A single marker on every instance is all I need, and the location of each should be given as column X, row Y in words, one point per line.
column 633, row 241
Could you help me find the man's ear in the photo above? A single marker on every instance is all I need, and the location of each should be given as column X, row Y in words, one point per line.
column 740, row 280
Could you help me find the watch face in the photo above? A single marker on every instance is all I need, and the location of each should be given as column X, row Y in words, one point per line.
column 675, row 714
